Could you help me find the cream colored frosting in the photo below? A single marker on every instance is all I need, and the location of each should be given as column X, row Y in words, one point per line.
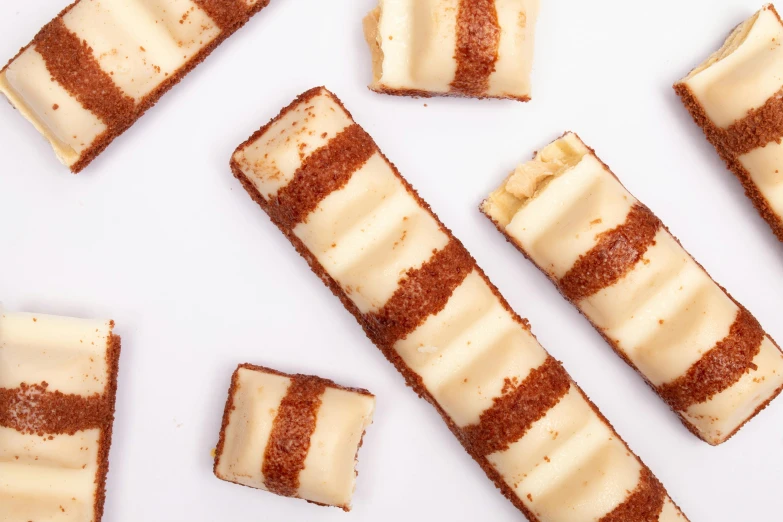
column 744, row 74
column 414, row 45
column 569, row 466
column 670, row 513
column 664, row 314
column 465, row 353
column 725, row 412
column 765, row 167
column 564, row 220
column 329, row 474
column 271, row 160
column 70, row 128
column 140, row 43
column 369, row 233
column 69, row 354
column 256, row 401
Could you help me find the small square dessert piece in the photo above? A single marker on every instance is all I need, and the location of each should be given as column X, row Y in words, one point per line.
column 293, row 435
column 90, row 73
column 608, row 254
column 58, row 382
column 431, row 310
column 473, row 48
column 736, row 97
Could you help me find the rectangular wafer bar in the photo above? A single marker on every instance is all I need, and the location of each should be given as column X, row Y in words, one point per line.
column 608, row 254
column 293, row 435
column 421, row 298
column 90, row 73
column 474, row 48
column 58, row 381
column 736, row 97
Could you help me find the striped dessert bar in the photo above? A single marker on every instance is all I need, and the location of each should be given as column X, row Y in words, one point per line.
column 293, row 435
column 90, row 73
column 421, row 298
column 58, row 381
column 474, row 48
column 736, row 97
column 608, row 254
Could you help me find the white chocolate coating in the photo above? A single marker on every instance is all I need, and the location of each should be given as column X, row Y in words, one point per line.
column 765, row 167
column 665, row 313
column 328, row 476
column 51, row 477
column 414, row 45
column 468, row 353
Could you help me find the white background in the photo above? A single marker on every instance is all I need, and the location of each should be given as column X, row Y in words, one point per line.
column 158, row 235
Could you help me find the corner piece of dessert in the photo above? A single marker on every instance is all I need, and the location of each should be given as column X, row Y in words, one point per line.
column 736, row 97
column 95, row 69
column 431, row 310
column 58, row 383
column 470, row 48
column 293, row 435
column 608, row 254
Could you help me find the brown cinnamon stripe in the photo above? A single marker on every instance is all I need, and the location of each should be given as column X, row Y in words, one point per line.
column 289, row 440
column 719, row 368
column 645, row 503
column 512, row 414
column 423, row 292
column 33, row 409
column 478, row 39
column 616, row 253
column 324, row 171
column 71, row 63
column 227, row 14
column 758, row 128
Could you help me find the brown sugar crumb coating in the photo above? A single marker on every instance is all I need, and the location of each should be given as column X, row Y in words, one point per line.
column 478, row 38
column 645, row 503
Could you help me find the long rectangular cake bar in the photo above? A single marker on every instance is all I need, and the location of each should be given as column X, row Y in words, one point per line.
column 421, row 298
column 90, row 73
column 736, row 97
column 293, row 435
column 608, row 254
column 475, row 48
column 58, row 381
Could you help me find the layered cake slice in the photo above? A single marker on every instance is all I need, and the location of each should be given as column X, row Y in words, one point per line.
column 736, row 97
column 421, row 298
column 90, row 73
column 474, row 48
column 293, row 435
column 608, row 254
column 58, row 381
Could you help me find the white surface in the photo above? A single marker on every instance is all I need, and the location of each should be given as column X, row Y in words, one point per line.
column 158, row 235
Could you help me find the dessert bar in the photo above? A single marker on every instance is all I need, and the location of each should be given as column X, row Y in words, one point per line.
column 421, row 298
column 736, row 97
column 608, row 254
column 90, row 73
column 473, row 48
column 58, row 381
column 293, row 435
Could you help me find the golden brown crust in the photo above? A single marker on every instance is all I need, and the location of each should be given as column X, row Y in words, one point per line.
column 412, row 378
column 113, row 364
column 645, row 503
column 292, row 429
column 478, row 39
column 105, row 139
column 611, row 342
column 752, row 130
column 615, row 254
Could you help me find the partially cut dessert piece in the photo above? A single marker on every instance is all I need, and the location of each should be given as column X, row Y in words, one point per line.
column 421, row 298
column 90, row 73
column 736, row 97
column 608, row 254
column 58, row 382
column 293, row 435
column 474, row 48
